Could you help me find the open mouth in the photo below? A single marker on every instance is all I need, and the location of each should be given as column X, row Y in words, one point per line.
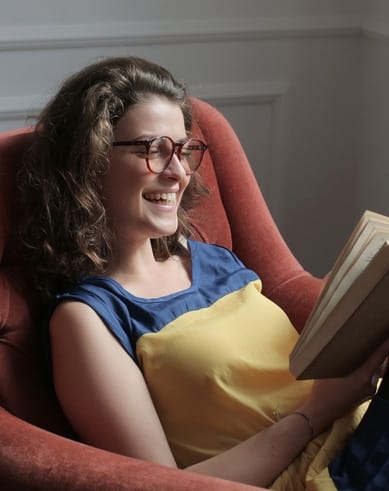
column 163, row 198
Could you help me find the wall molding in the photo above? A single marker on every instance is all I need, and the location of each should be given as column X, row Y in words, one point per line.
column 28, row 107
column 20, row 108
column 233, row 94
column 40, row 37
column 376, row 29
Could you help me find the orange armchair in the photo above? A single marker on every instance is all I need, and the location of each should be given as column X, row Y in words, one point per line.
column 38, row 450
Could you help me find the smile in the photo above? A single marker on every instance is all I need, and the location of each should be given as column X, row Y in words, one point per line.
column 166, row 198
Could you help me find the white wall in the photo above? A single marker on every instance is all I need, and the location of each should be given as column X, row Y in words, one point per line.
column 373, row 165
column 301, row 81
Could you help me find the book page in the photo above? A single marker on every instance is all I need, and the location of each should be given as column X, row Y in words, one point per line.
column 362, row 333
column 352, row 269
column 307, row 350
column 350, row 263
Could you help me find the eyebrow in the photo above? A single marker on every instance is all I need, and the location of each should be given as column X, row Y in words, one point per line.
column 148, row 138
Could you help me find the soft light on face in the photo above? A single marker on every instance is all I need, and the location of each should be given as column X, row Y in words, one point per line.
column 143, row 205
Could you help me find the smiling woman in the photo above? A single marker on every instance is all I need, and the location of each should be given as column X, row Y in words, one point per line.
column 132, row 194
column 163, row 348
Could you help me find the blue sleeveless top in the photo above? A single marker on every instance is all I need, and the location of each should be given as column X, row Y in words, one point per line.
column 216, row 272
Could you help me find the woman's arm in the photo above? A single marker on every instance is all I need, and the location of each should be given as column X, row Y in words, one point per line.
column 105, row 398
column 100, row 388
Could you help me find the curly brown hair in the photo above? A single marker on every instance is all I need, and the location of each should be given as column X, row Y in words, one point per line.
column 65, row 230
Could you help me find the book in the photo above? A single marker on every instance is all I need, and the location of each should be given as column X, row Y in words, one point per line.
column 351, row 316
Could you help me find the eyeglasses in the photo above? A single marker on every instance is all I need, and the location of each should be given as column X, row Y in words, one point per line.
column 158, row 152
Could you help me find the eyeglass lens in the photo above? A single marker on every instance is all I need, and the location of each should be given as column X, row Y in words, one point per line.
column 162, row 149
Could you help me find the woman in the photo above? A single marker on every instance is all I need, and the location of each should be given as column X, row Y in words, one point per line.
column 164, row 348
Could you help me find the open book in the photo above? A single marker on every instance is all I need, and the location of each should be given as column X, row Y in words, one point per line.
column 351, row 316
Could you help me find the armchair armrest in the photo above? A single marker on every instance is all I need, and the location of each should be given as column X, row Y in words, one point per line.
column 34, row 459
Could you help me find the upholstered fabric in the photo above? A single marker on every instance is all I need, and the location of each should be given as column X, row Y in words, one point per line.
column 32, row 455
column 32, row 459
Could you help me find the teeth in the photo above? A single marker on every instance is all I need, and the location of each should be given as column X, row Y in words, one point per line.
column 168, row 197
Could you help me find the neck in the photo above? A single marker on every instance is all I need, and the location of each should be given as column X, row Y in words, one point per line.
column 137, row 270
column 133, row 259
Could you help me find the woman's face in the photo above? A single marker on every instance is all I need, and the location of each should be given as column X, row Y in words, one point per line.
column 143, row 205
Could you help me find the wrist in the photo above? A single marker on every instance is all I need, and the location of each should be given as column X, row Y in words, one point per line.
column 308, row 422
column 317, row 417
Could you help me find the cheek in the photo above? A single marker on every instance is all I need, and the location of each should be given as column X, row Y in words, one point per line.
column 117, row 191
column 185, row 185
column 124, row 174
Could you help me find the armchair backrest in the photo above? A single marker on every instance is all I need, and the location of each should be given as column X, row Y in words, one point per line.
column 234, row 215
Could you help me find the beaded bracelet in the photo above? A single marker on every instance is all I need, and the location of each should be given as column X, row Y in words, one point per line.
column 307, row 420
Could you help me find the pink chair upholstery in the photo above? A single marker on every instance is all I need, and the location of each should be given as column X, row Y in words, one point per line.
column 38, row 450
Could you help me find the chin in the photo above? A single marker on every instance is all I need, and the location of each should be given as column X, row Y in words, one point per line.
column 166, row 232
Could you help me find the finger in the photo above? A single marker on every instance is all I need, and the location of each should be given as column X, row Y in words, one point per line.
column 378, row 373
column 374, row 381
column 383, row 367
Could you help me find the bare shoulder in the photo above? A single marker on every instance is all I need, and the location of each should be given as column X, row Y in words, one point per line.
column 72, row 311
column 74, row 321
column 79, row 338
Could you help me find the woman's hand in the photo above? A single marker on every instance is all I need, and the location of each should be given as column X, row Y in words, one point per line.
column 332, row 398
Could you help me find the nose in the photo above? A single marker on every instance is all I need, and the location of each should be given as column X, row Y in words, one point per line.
column 175, row 168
